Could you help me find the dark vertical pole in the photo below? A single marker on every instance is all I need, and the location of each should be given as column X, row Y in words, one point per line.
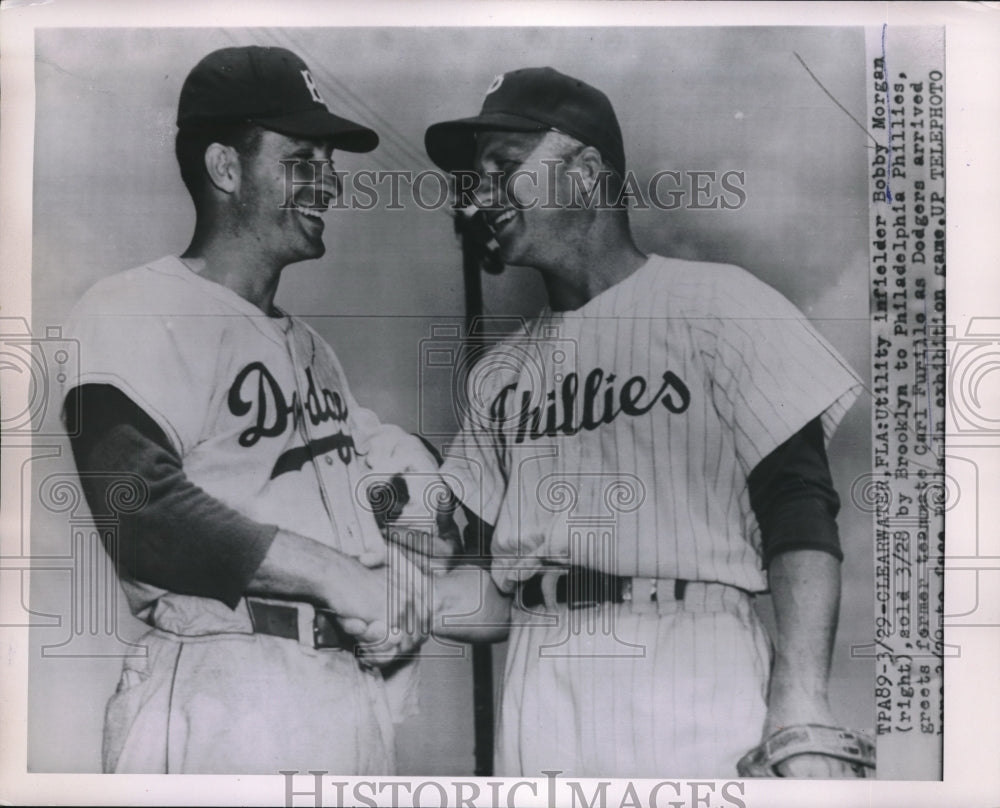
column 471, row 260
column 482, row 653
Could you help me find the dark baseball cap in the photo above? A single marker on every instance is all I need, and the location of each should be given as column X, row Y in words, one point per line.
column 533, row 99
column 271, row 87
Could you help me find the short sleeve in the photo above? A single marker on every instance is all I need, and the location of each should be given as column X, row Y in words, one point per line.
column 165, row 363
column 474, row 463
column 471, row 469
column 773, row 373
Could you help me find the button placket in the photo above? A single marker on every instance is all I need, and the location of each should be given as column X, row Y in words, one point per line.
column 298, row 370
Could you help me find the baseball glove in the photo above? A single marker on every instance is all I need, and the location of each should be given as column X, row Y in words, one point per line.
column 855, row 748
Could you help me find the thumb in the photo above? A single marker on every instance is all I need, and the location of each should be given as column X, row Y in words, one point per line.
column 373, row 558
column 354, row 626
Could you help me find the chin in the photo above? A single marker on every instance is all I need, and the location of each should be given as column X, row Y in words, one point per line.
column 515, row 258
column 510, row 255
column 312, row 253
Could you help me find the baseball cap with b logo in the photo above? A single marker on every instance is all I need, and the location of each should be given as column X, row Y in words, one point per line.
column 271, row 87
column 533, row 99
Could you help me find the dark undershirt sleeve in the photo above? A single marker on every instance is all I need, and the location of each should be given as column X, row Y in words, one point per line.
column 792, row 496
column 182, row 539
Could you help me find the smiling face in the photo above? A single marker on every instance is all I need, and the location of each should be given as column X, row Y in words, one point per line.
column 285, row 186
column 524, row 190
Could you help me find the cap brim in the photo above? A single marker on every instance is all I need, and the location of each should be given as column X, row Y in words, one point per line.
column 318, row 123
column 452, row 144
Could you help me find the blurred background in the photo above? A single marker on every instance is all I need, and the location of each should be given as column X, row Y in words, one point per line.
column 108, row 196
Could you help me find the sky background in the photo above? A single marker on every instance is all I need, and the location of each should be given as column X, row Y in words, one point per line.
column 107, row 196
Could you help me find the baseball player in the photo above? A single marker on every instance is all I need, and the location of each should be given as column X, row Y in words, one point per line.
column 255, row 558
column 650, row 454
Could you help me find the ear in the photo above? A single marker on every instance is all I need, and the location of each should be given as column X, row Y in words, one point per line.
column 589, row 163
column 222, row 164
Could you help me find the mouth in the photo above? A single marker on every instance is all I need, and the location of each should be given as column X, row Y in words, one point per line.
column 316, row 214
column 312, row 210
column 313, row 203
column 499, row 222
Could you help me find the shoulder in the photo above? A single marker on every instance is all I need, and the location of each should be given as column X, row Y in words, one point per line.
column 502, row 361
column 489, row 370
column 307, row 330
column 318, row 343
column 158, row 287
column 703, row 289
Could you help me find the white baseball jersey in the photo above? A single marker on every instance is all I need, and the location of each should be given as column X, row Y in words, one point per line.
column 260, row 413
column 619, row 437
column 648, row 406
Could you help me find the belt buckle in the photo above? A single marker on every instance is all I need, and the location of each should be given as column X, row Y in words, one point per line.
column 642, row 595
column 330, row 618
column 316, row 631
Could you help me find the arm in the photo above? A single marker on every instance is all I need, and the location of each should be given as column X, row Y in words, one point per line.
column 300, row 568
column 792, row 493
column 805, row 588
column 181, row 539
column 186, row 541
column 469, row 590
column 468, row 606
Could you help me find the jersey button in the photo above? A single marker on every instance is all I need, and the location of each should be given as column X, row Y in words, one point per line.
column 329, row 460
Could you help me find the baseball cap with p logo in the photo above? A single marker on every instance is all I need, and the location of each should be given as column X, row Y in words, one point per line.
column 271, row 87
column 533, row 99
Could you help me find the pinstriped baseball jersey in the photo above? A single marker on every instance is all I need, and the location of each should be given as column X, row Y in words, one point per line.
column 648, row 406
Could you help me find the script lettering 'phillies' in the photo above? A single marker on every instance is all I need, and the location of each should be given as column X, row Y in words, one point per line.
column 598, row 406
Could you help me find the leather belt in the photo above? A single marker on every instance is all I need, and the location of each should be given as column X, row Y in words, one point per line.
column 580, row 587
column 316, row 628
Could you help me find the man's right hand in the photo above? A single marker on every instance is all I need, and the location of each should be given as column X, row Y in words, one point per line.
column 386, row 609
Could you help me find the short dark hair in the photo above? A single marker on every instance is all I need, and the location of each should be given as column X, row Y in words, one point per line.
column 192, row 141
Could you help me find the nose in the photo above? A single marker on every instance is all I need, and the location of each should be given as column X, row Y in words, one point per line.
column 489, row 192
column 483, row 191
column 330, row 182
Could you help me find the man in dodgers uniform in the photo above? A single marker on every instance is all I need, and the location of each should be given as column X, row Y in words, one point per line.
column 254, row 556
column 651, row 454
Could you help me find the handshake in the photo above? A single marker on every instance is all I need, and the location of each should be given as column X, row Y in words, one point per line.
column 414, row 509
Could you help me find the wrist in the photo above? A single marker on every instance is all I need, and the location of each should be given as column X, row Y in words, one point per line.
column 789, row 707
column 343, row 581
column 790, row 679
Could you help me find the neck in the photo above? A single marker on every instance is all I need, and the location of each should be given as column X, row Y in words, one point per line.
column 596, row 264
column 233, row 263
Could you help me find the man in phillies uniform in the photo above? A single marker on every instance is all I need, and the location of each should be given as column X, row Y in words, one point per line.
column 651, row 454
column 250, row 556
